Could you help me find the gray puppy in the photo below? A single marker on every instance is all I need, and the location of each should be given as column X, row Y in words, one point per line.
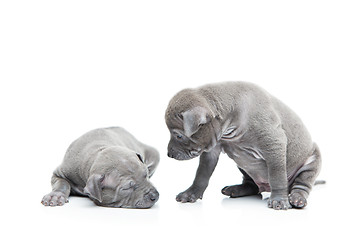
column 110, row 166
column 266, row 139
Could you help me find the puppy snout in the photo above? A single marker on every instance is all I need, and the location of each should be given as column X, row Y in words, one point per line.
column 171, row 152
column 153, row 196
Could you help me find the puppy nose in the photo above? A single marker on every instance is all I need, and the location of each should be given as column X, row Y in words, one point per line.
column 171, row 152
column 153, row 196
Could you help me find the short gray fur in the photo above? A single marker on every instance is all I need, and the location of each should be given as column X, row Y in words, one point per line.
column 266, row 139
column 109, row 166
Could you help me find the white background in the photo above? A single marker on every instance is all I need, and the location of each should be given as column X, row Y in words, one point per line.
column 67, row 67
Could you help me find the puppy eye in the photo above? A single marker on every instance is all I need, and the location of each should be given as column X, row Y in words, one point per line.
column 130, row 185
column 179, row 115
column 177, row 134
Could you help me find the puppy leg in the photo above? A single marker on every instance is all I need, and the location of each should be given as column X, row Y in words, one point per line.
column 60, row 193
column 301, row 187
column 207, row 164
column 247, row 188
column 273, row 145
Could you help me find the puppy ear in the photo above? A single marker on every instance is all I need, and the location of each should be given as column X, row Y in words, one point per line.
column 193, row 119
column 94, row 186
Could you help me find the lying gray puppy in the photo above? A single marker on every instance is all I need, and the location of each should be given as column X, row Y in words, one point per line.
column 266, row 139
column 110, row 166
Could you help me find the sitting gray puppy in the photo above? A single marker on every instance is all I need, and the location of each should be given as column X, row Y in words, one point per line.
column 266, row 139
column 110, row 166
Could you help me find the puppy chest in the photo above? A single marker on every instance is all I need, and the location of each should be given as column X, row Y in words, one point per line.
column 250, row 159
column 242, row 152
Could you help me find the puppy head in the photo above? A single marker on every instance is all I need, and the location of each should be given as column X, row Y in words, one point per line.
column 126, row 184
column 190, row 122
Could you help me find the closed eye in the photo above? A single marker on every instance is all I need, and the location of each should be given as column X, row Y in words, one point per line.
column 129, row 186
column 180, row 116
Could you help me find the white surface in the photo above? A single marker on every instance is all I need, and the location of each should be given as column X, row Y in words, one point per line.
column 70, row 66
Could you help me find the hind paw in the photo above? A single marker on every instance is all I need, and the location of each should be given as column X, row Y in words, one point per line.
column 240, row 190
column 297, row 200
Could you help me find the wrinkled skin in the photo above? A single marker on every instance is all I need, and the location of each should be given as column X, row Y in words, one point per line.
column 110, row 167
column 266, row 139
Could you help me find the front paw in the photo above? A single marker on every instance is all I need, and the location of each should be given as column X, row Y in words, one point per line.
column 54, row 199
column 190, row 195
column 279, row 203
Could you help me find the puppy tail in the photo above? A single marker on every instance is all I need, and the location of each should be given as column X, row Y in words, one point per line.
column 319, row 182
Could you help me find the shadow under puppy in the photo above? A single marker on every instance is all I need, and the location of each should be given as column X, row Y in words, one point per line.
column 267, row 140
column 109, row 166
